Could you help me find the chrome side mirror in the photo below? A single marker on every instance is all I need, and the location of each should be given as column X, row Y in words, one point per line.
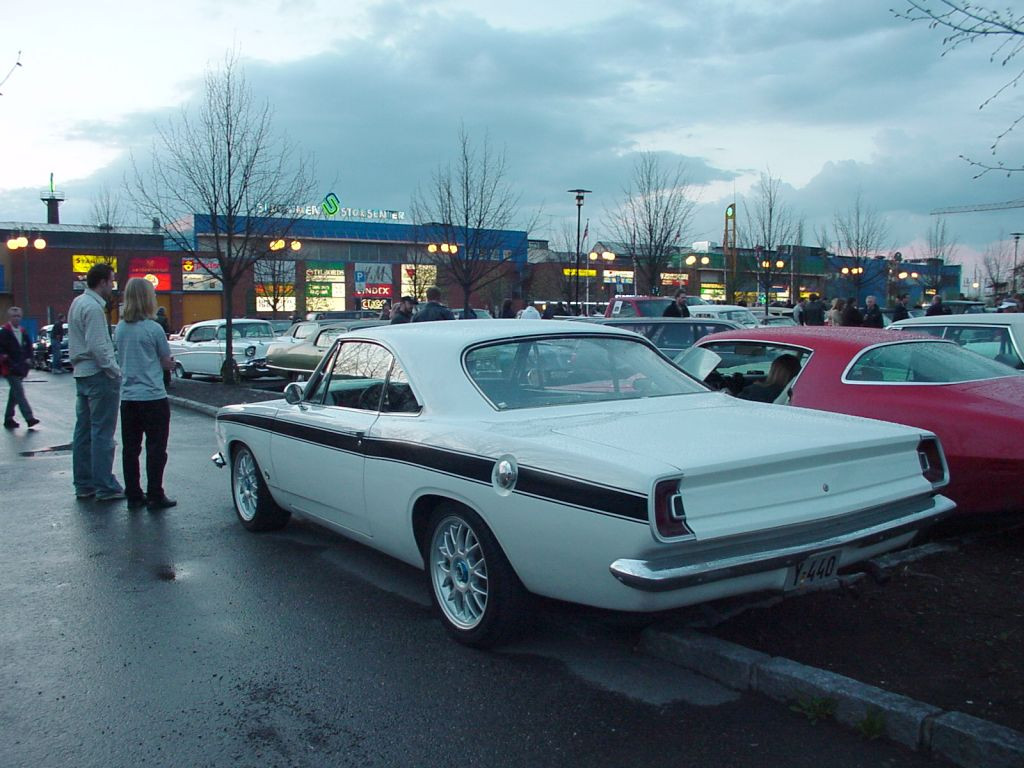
column 294, row 392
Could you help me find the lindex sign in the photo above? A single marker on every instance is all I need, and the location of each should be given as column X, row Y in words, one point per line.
column 373, row 280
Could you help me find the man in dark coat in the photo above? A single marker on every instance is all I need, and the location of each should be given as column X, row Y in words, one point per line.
column 433, row 309
column 872, row 314
column 900, row 311
column 937, row 307
column 814, row 311
column 15, row 354
column 851, row 315
column 402, row 312
column 678, row 307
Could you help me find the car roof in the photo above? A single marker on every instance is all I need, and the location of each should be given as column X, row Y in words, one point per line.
column 234, row 321
column 817, row 336
column 987, row 318
column 431, row 352
column 647, row 320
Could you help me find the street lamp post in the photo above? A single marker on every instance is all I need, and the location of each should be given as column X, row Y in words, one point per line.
column 22, row 242
column 579, row 210
column 1013, row 274
column 594, row 256
column 767, row 266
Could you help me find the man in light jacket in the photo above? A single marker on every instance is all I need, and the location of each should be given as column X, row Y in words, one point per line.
column 98, row 388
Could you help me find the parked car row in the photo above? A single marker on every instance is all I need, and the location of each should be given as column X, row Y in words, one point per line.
column 203, row 348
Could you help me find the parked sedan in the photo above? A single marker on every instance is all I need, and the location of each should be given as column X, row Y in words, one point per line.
column 569, row 460
column 974, row 405
column 296, row 361
column 999, row 336
column 204, row 348
column 671, row 335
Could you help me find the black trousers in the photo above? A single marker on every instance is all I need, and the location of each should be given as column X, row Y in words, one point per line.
column 152, row 419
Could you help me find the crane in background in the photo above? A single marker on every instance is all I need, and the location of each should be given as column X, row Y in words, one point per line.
column 982, row 207
column 990, row 207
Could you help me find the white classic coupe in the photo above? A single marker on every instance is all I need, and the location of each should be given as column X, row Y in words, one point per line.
column 572, row 461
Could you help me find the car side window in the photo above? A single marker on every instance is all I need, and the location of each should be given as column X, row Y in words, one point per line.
column 206, row 333
column 398, row 395
column 357, row 376
column 305, row 330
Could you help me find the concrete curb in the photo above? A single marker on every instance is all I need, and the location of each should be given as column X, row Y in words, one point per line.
column 964, row 740
column 192, row 405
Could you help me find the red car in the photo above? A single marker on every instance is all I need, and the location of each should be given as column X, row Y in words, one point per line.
column 975, row 405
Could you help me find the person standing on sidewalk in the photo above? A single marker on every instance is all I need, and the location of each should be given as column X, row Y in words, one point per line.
column 97, row 387
column 56, row 343
column 143, row 355
column 15, row 354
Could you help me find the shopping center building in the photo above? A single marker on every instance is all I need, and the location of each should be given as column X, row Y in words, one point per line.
column 316, row 264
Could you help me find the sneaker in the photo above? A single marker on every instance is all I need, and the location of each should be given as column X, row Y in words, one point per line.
column 110, row 496
column 32, row 422
column 84, row 494
column 162, row 503
column 11, row 424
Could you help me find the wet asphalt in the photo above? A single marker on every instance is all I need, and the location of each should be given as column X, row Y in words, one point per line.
column 179, row 639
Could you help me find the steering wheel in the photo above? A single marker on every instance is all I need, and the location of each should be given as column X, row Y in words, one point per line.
column 369, row 398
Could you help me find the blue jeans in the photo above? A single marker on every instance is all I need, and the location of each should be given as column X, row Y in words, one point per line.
column 16, row 397
column 93, row 443
column 55, row 365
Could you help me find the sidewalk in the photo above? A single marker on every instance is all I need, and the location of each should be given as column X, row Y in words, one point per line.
column 817, row 693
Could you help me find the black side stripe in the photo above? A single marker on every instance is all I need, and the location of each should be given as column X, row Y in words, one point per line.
column 532, row 482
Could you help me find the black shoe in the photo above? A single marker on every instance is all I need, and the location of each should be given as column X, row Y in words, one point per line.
column 32, row 422
column 11, row 424
column 136, row 502
column 162, row 503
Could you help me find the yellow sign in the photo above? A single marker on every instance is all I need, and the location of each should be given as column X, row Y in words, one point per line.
column 82, row 263
column 571, row 272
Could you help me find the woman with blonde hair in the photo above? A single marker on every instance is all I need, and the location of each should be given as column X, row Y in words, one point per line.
column 143, row 354
column 835, row 315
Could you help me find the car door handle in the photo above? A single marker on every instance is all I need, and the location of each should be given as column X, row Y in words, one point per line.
column 359, row 439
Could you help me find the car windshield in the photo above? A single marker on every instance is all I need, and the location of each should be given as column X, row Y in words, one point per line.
column 923, row 362
column 536, row 372
column 739, row 316
column 247, row 331
column 652, row 307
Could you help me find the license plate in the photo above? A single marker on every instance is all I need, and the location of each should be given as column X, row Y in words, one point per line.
column 816, row 569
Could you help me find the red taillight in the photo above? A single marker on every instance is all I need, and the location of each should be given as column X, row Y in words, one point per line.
column 669, row 514
column 932, row 466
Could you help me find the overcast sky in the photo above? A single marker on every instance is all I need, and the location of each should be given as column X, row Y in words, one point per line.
column 834, row 97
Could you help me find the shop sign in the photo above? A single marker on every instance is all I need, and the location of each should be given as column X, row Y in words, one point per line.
column 156, row 269
column 81, row 263
column 675, row 278
column 373, row 280
column 617, row 276
column 275, row 290
column 326, row 272
column 375, row 304
column 330, row 208
column 196, row 274
column 571, row 272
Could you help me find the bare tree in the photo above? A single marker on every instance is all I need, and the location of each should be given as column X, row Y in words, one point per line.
column 964, row 23
column 274, row 278
column 467, row 205
column 770, row 220
column 224, row 163
column 859, row 234
column 940, row 249
column 997, row 265
column 654, row 216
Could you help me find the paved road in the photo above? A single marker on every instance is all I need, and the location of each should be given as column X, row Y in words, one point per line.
column 179, row 639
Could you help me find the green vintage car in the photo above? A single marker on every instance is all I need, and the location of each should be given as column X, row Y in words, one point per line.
column 295, row 360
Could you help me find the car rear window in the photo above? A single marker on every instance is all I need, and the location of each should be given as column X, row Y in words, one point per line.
column 923, row 362
column 537, row 372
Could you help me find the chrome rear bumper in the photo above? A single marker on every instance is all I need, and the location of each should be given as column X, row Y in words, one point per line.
column 709, row 562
